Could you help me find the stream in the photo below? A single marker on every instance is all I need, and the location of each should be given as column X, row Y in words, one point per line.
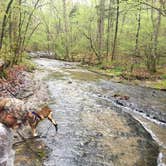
column 95, row 128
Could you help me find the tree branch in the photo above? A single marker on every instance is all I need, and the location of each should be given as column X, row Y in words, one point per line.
column 91, row 43
column 162, row 12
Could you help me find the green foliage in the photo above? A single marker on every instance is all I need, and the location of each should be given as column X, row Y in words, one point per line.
column 163, row 76
column 3, row 74
column 5, row 54
column 83, row 18
column 28, row 64
column 159, row 84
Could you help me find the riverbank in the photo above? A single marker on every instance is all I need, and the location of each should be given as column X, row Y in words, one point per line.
column 139, row 77
column 27, row 86
column 134, row 94
column 119, row 72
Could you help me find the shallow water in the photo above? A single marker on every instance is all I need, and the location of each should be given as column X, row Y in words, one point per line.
column 93, row 129
column 6, row 141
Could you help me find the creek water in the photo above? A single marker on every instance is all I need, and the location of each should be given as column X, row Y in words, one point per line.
column 95, row 129
column 6, row 152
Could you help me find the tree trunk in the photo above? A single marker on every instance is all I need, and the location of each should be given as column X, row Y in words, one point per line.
column 66, row 30
column 136, row 51
column 28, row 24
column 153, row 57
column 138, row 32
column 101, row 29
column 116, row 30
column 109, row 29
column 4, row 22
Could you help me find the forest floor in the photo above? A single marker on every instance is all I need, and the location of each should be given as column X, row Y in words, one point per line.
column 140, row 77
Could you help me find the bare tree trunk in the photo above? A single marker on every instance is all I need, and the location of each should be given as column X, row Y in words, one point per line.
column 10, row 30
column 16, row 31
column 31, row 34
column 152, row 54
column 47, row 29
column 101, row 29
column 136, row 51
column 109, row 29
column 66, row 30
column 27, row 25
column 155, row 43
column 138, row 31
column 18, row 44
column 5, row 22
column 116, row 30
column 91, row 43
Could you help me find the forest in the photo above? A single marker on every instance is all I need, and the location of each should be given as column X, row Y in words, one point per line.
column 118, row 35
column 83, row 82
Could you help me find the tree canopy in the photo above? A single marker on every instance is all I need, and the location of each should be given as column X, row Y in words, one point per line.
column 129, row 32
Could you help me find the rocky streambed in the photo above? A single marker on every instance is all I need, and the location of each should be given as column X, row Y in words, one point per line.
column 95, row 126
column 101, row 123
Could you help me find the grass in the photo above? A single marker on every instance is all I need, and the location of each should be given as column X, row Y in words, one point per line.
column 163, row 76
column 160, row 84
column 140, row 76
column 28, row 64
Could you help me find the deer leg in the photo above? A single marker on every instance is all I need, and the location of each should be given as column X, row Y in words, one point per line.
column 50, row 118
column 34, row 133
